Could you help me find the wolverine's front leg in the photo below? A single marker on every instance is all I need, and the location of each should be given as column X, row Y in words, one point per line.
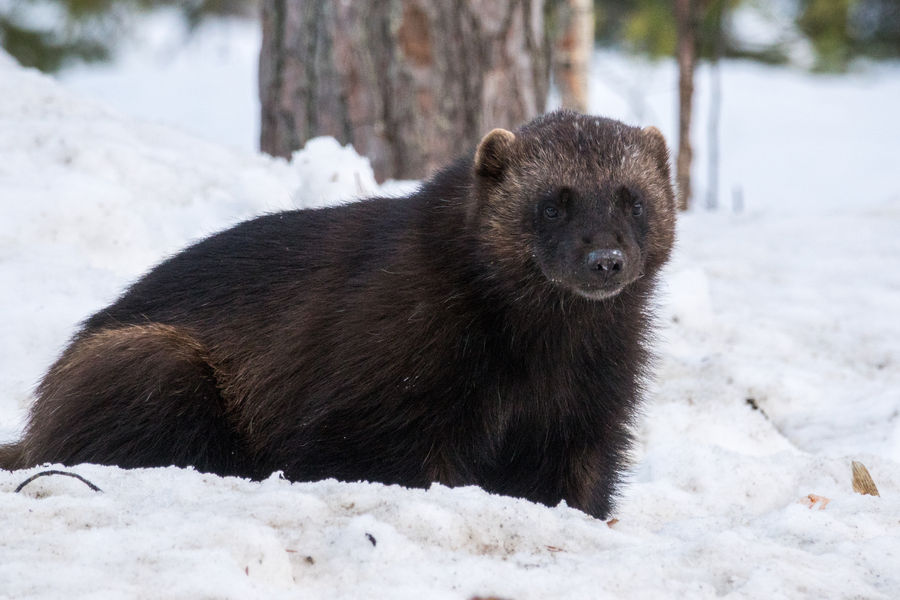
column 592, row 474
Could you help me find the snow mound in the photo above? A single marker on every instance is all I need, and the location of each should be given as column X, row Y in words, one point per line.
column 186, row 535
column 92, row 199
column 328, row 171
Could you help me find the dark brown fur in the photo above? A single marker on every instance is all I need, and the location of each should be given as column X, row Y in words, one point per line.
column 476, row 332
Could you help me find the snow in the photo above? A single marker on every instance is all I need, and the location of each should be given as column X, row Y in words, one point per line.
column 790, row 305
column 203, row 82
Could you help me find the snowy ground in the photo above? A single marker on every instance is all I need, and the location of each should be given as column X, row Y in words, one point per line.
column 793, row 302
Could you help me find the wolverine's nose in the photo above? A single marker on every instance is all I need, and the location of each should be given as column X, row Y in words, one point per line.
column 607, row 261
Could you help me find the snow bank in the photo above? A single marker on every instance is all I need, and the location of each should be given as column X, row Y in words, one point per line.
column 179, row 534
column 92, row 199
column 778, row 364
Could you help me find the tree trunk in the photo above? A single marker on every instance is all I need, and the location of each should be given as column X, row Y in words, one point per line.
column 687, row 55
column 715, row 102
column 410, row 83
column 572, row 47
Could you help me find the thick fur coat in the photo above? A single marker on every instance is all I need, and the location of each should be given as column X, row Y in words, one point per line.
column 489, row 329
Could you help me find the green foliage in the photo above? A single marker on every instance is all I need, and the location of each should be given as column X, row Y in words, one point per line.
column 47, row 50
column 825, row 24
column 838, row 30
column 79, row 35
column 650, row 29
column 89, row 30
column 841, row 30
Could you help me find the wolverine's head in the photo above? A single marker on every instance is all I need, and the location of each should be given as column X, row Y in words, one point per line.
column 586, row 200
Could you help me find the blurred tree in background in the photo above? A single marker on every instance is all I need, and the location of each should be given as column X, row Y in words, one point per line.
column 842, row 30
column 407, row 82
column 49, row 34
column 830, row 35
column 838, row 32
column 571, row 23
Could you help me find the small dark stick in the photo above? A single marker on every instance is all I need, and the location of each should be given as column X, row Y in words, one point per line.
column 862, row 481
column 53, row 472
column 371, row 538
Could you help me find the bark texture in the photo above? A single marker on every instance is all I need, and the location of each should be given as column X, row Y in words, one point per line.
column 687, row 57
column 572, row 46
column 408, row 82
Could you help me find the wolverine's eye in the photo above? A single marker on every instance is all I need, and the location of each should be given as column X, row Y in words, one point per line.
column 551, row 212
column 628, row 196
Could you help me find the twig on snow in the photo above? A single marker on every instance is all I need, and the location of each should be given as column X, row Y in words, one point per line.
column 54, row 472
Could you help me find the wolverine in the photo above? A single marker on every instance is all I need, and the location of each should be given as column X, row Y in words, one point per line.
column 490, row 329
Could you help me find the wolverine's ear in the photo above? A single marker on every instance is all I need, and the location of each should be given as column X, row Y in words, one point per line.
column 493, row 152
column 657, row 145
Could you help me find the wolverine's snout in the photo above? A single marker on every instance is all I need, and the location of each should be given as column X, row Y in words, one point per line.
column 608, row 262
